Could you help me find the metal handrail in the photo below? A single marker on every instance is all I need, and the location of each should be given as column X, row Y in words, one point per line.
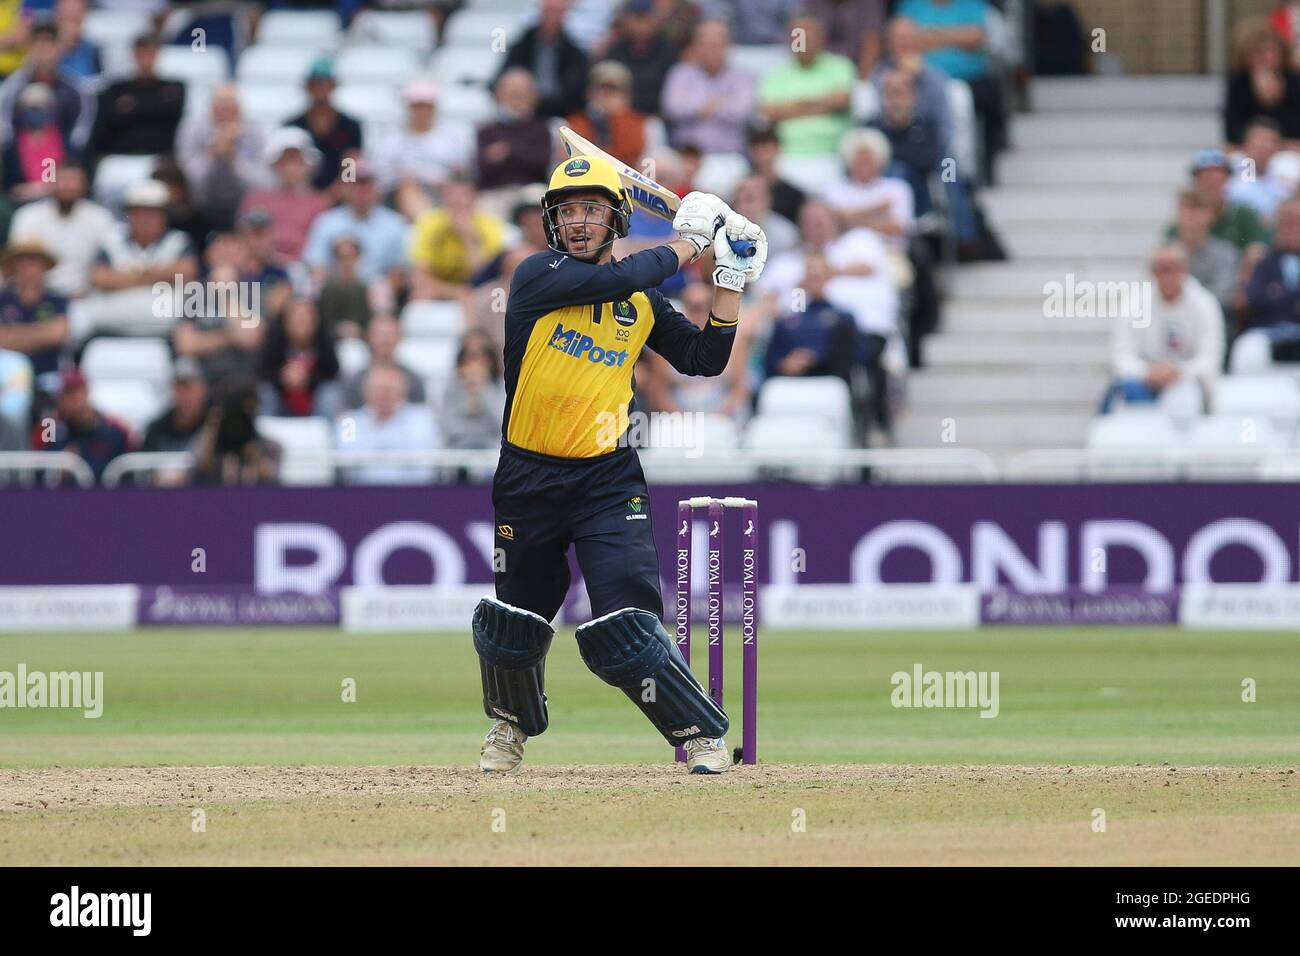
column 53, row 463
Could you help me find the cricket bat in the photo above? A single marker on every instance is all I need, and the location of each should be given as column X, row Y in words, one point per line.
column 646, row 194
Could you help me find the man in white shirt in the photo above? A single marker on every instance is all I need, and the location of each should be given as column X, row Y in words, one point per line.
column 387, row 422
column 864, row 197
column 424, row 153
column 71, row 224
column 1174, row 355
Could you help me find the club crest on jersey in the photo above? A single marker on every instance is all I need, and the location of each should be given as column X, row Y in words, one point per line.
column 576, row 167
column 625, row 313
column 570, row 342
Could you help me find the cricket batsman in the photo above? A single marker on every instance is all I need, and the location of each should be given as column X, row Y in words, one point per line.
column 576, row 321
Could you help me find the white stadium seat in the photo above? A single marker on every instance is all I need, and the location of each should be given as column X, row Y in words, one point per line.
column 115, row 27
column 760, row 60
column 824, row 396
column 413, row 29
column 866, row 102
column 354, row 356
column 146, row 360
column 206, row 68
column 1228, row 446
column 135, row 404
column 1275, row 397
column 811, row 171
column 485, row 29
column 452, row 65
column 297, row 435
column 466, row 102
column 721, row 173
column 776, row 431
column 275, row 65
column 376, row 64
column 317, row 29
column 126, row 311
column 965, row 149
column 117, row 173
column 433, row 320
column 431, row 359
column 1129, row 445
column 378, row 103
column 271, row 104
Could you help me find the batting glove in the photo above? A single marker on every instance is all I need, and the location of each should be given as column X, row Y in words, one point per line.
column 698, row 217
column 735, row 271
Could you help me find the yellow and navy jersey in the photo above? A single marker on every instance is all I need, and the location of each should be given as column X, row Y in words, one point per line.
column 574, row 331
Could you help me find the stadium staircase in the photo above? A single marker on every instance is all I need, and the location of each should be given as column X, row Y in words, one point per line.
column 1086, row 189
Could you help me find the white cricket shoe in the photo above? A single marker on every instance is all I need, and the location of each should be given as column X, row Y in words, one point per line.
column 707, row 755
column 503, row 748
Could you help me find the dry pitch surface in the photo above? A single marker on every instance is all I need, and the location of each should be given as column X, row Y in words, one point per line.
column 652, row 815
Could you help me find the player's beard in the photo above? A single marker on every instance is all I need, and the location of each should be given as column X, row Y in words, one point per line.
column 599, row 240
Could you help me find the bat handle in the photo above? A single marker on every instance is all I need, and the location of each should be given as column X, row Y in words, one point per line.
column 742, row 247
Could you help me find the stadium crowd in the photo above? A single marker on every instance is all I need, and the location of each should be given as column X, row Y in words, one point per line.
column 1226, row 273
column 188, row 263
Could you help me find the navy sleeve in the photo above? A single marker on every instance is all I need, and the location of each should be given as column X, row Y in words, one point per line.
column 690, row 350
column 553, row 280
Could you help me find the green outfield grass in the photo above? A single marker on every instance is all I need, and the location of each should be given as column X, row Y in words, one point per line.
column 273, row 697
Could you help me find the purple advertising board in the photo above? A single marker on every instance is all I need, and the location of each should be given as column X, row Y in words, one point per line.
column 1033, row 539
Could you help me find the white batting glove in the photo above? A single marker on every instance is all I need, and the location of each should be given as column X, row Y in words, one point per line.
column 698, row 217
column 735, row 271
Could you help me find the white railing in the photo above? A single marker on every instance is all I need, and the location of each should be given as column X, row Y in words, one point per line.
column 50, row 467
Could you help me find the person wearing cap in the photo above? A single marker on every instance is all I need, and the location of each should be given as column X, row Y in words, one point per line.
column 258, row 261
column 1238, row 224
column 70, row 105
column 222, row 155
column 292, row 202
column 69, row 222
column 33, row 320
column 422, row 154
column 556, row 62
column 334, row 134
column 82, row 430
column 175, row 428
column 1213, row 262
column 143, row 250
column 609, row 120
column 641, row 43
column 139, row 115
column 381, row 231
column 514, row 149
column 449, row 245
column 707, row 101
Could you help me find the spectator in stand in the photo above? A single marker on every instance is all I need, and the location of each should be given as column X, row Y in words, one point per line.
column 183, row 214
column 67, row 103
column 334, row 134
column 387, row 422
column 450, row 245
column 140, row 115
column 383, row 335
column 257, row 262
column 13, row 36
column 915, row 148
column 808, row 100
column 1233, row 222
column 764, row 147
column 865, row 196
column 755, row 22
column 222, row 156
column 300, row 367
column 1251, row 184
column 228, row 449
column 380, row 231
column 1175, row 357
column 79, row 55
column 954, row 40
column 1272, row 317
column 225, row 343
column 929, row 85
column 83, row 431
column 1213, row 262
column 475, row 398
column 514, row 149
column 292, row 202
column 344, row 298
column 556, row 62
column 174, row 429
column 69, row 222
column 143, row 250
column 1284, row 20
column 32, row 158
column 753, row 200
column 1264, row 84
column 707, row 101
column 609, row 120
column 853, row 29
column 527, row 218
column 15, row 401
column 33, row 319
column 818, row 339
column 664, row 389
column 422, row 155
column 485, row 306
column 642, row 45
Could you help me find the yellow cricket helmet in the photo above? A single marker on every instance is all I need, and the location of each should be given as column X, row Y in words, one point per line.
column 586, row 173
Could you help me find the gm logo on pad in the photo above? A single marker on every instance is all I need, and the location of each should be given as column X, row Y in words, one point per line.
column 576, row 167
